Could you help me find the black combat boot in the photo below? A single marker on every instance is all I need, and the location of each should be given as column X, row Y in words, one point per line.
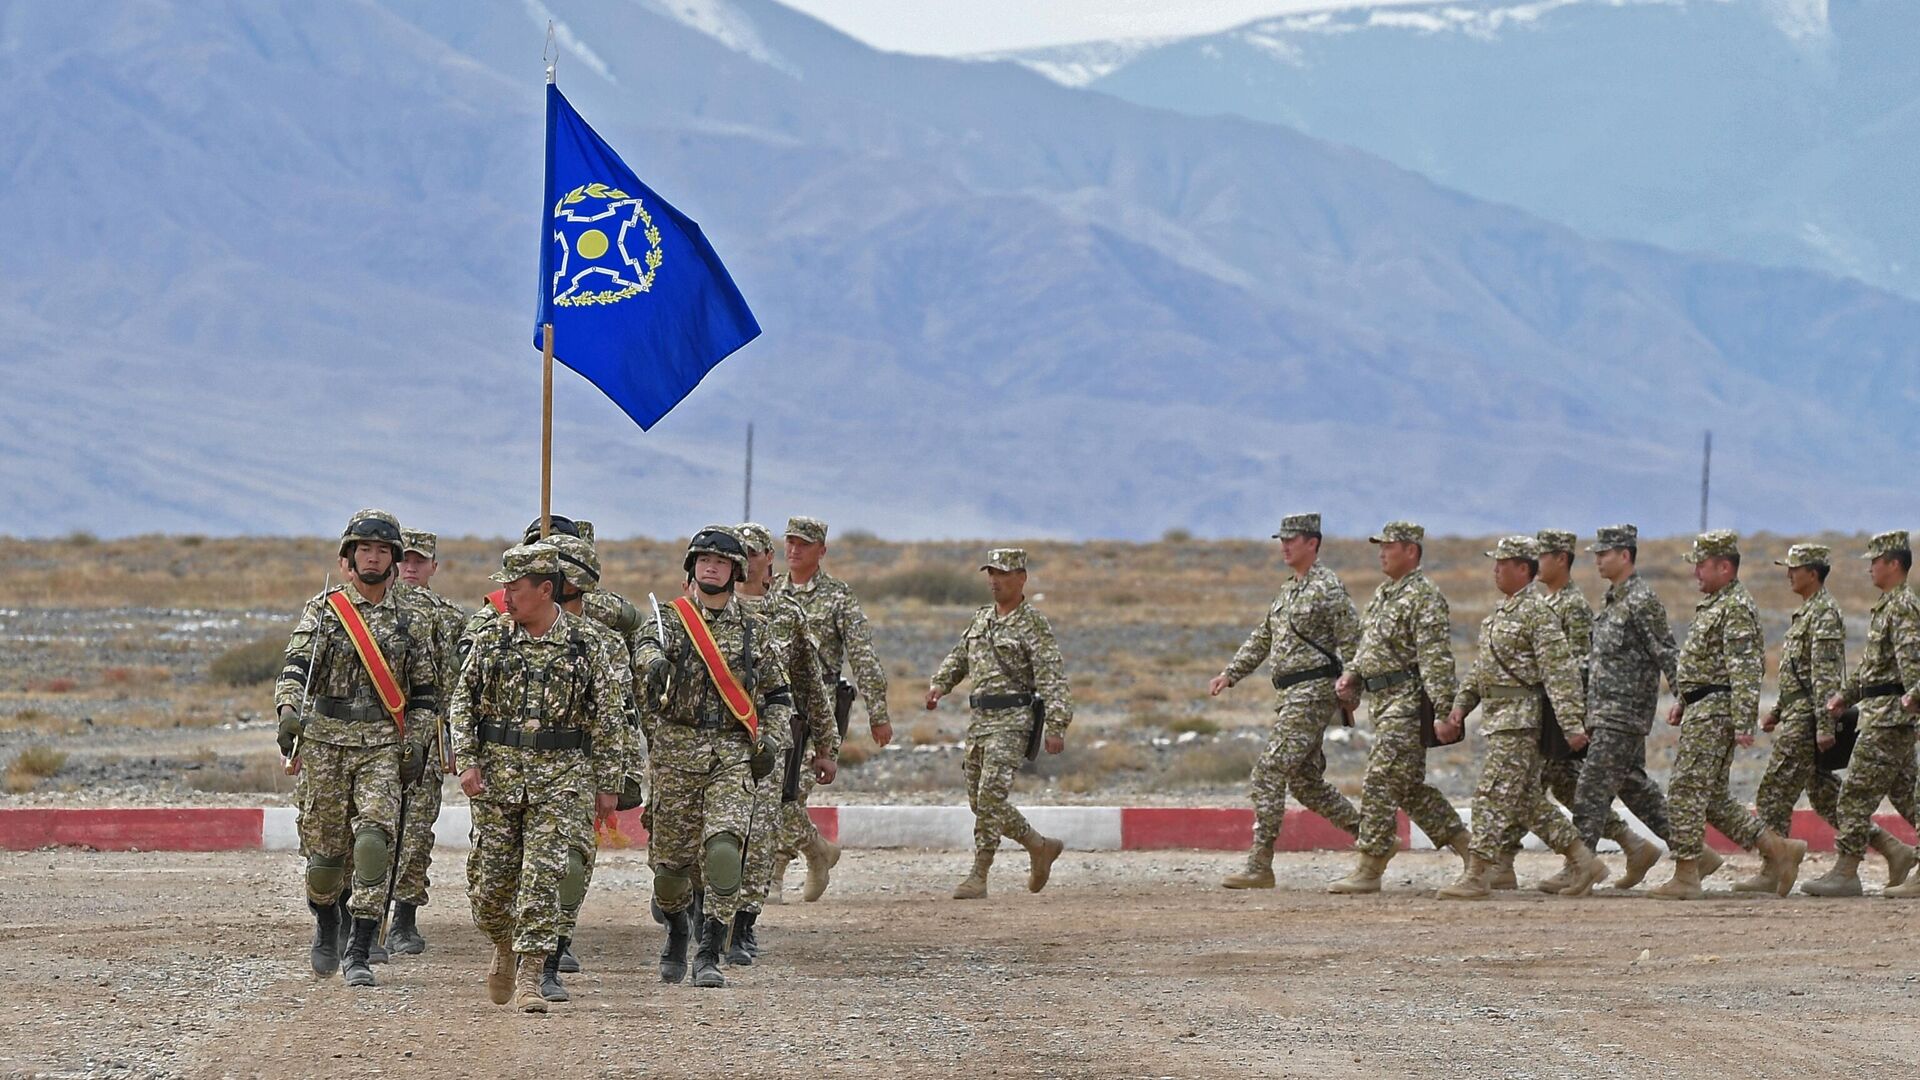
column 326, row 938
column 345, row 921
column 744, row 948
column 358, row 972
column 568, row 963
column 706, row 962
column 673, row 958
column 550, row 987
column 403, row 936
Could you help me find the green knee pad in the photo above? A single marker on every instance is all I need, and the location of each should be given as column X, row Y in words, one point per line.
column 573, row 884
column 370, row 858
column 671, row 888
column 723, row 863
column 324, row 875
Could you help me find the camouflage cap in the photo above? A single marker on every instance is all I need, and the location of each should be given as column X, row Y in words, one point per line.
column 1400, row 532
column 1714, row 544
column 1610, row 537
column 755, row 536
column 810, row 529
column 526, row 560
column 1298, row 525
column 1008, row 559
column 1807, row 555
column 1515, row 547
column 577, row 561
column 419, row 540
column 1555, row 540
column 1887, row 543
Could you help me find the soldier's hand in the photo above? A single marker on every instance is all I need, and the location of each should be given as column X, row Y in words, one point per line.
column 1345, row 687
column 658, row 669
column 1448, row 730
column 1056, row 743
column 824, row 769
column 1456, row 715
column 289, row 732
column 1771, row 720
column 761, row 763
column 413, row 763
column 1744, row 738
column 1911, row 703
column 882, row 733
column 1577, row 743
column 1825, row 742
column 604, row 804
column 1673, row 714
column 933, row 699
column 1217, row 685
column 1836, row 705
column 472, row 784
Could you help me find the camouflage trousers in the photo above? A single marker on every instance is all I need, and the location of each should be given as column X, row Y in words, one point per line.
column 703, row 788
column 1293, row 760
column 344, row 790
column 416, row 845
column 1882, row 767
column 1509, row 800
column 1561, row 780
column 1616, row 765
column 991, row 762
column 1697, row 793
column 519, row 856
column 765, row 838
column 1791, row 770
column 1397, row 778
column 797, row 830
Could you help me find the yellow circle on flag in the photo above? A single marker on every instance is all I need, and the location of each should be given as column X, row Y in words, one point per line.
column 592, row 244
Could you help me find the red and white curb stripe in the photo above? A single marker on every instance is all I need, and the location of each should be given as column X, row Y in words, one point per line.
column 1082, row 828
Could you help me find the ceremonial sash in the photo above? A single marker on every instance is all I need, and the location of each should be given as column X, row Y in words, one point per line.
column 371, row 657
column 739, row 703
column 498, row 598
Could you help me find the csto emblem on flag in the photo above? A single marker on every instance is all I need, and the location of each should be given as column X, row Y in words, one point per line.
column 608, row 247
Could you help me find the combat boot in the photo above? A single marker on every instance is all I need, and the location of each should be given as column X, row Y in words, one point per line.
column 1842, row 880
column 1364, row 879
column 1585, row 870
column 1561, row 878
column 403, row 937
column 1458, row 845
column 1785, row 856
column 1472, row 883
column 1764, row 880
column 1504, row 878
column 777, row 882
column 706, row 962
column 1041, row 851
column 1642, row 854
column 822, row 856
column 974, row 887
column 344, row 923
column 526, row 983
column 568, row 962
column 500, row 974
column 744, row 948
column 1684, row 885
column 1259, row 871
column 551, row 988
column 356, row 969
column 326, row 938
column 1905, row 891
column 1900, row 858
column 1710, row 860
column 673, row 956
column 377, row 952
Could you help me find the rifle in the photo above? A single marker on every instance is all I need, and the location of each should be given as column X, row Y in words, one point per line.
column 290, row 763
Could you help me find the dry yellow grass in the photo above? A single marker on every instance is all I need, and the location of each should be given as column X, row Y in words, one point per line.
column 32, row 765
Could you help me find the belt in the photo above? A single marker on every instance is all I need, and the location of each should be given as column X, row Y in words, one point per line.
column 1000, row 701
column 1880, row 690
column 1390, row 679
column 714, row 721
column 344, row 709
column 1500, row 693
column 1700, row 693
column 1295, row 678
column 571, row 739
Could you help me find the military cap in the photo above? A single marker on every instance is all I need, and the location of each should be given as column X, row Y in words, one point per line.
column 419, row 540
column 1555, row 540
column 1887, row 543
column 1008, row 559
column 755, row 536
column 1297, row 525
column 1609, row 537
column 577, row 561
column 1400, row 532
column 810, row 529
column 526, row 560
column 1807, row 555
column 1515, row 547
column 1714, row 544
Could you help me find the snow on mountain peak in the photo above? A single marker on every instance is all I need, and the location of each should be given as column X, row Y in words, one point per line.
column 722, row 22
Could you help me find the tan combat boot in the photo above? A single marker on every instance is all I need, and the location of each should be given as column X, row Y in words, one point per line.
column 1472, row 884
column 1642, row 854
column 1560, row 880
column 1710, row 860
column 1907, row 891
column 1842, row 880
column 1504, row 879
column 1259, row 871
column 1041, row 851
column 1764, row 880
column 500, row 974
column 1900, row 858
column 1684, row 885
column 777, row 882
column 526, row 984
column 822, row 856
column 1785, row 855
column 974, row 887
column 1585, row 870
column 1364, row 879
column 1458, row 845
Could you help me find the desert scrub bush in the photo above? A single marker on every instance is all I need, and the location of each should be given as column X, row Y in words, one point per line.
column 250, row 664
column 927, row 584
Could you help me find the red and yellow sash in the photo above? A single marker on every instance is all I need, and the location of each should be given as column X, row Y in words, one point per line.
column 739, row 703
column 498, row 598
column 384, row 684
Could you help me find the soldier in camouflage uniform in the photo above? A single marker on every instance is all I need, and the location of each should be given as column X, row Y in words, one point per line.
column 707, row 761
column 813, row 720
column 1403, row 657
column 1886, row 686
column 536, row 736
column 1718, row 678
column 1308, row 632
column 352, row 755
column 1009, row 652
column 1524, row 663
column 839, row 627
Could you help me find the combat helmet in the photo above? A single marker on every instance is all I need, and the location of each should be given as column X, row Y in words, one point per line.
column 560, row 527
column 371, row 524
column 718, row 540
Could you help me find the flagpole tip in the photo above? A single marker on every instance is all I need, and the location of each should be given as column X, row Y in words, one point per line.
column 549, row 74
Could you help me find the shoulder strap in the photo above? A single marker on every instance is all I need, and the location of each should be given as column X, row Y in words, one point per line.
column 1317, row 647
column 738, row 701
column 371, row 657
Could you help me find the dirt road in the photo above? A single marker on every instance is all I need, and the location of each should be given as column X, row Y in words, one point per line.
column 1130, row 965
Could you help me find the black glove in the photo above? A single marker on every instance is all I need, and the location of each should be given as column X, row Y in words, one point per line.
column 290, row 726
column 762, row 762
column 413, row 763
column 658, row 670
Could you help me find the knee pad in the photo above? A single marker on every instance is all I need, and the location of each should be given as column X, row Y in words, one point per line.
column 370, row 857
column 324, row 875
column 723, row 863
column 671, row 888
column 573, row 884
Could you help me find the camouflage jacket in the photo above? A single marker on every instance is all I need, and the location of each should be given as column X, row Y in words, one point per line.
column 747, row 643
column 1311, row 610
column 1576, row 621
column 1523, row 653
column 1813, row 662
column 1406, row 627
column 1892, row 654
column 562, row 681
column 405, row 639
column 1632, row 645
column 791, row 639
column 1723, row 648
column 1011, row 654
column 447, row 619
column 840, row 629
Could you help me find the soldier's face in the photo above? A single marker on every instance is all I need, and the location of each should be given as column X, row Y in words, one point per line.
column 803, row 556
column 1510, row 575
column 1399, row 557
column 715, row 570
column 1614, row 565
column 1007, row 585
column 1299, row 549
column 417, row 569
column 1885, row 572
column 529, row 601
column 760, row 568
column 1712, row 575
column 1803, row 580
column 371, row 560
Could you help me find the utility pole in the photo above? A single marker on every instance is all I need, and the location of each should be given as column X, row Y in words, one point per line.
column 746, row 509
column 1706, row 478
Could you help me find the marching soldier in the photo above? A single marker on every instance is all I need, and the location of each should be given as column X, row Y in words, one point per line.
column 1886, row 688
column 839, row 627
column 724, row 688
column 1308, row 632
column 536, row 737
column 1405, row 661
column 1019, row 690
column 1524, row 666
column 372, row 706
column 1718, row 679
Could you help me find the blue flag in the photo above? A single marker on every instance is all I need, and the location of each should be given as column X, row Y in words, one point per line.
column 639, row 302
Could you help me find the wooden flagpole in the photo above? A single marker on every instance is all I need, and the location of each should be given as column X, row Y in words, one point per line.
column 546, row 429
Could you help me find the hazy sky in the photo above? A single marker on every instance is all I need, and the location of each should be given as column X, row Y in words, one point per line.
column 947, row 27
